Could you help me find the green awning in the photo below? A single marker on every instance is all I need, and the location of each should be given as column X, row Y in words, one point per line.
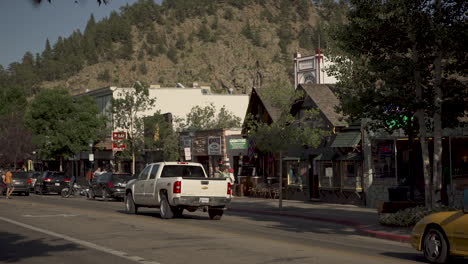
column 350, row 157
column 348, row 139
column 325, row 156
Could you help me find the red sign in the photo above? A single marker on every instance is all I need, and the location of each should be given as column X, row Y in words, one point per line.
column 119, row 135
column 118, row 146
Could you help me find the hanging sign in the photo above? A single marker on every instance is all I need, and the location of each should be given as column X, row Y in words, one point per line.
column 237, row 143
column 214, row 145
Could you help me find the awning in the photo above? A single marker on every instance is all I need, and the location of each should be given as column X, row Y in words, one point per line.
column 349, row 139
column 325, row 156
column 292, row 158
column 351, row 157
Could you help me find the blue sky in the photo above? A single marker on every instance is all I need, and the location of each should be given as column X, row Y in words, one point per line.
column 25, row 26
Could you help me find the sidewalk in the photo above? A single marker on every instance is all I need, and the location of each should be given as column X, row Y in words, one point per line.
column 364, row 220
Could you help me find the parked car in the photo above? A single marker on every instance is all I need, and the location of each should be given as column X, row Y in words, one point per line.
column 442, row 235
column 34, row 176
column 21, row 182
column 51, row 182
column 109, row 185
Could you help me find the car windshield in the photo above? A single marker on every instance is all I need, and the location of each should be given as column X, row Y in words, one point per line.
column 20, row 175
column 183, row 171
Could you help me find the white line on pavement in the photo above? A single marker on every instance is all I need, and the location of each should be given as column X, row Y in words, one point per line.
column 82, row 242
column 56, row 215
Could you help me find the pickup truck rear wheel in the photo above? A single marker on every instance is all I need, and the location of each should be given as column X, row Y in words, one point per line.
column 215, row 213
column 130, row 206
column 165, row 208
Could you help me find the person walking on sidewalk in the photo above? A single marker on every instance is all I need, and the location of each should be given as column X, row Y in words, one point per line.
column 9, row 184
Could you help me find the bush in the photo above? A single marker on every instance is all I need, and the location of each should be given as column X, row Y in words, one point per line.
column 410, row 216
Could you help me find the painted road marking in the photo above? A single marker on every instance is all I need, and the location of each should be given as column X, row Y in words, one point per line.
column 56, row 215
column 82, row 242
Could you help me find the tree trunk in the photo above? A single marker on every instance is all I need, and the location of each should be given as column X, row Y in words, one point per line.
column 422, row 127
column 437, row 163
column 280, row 198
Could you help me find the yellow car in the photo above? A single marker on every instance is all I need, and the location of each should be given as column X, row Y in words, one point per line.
column 443, row 234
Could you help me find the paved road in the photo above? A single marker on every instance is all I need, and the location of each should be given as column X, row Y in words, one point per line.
column 51, row 229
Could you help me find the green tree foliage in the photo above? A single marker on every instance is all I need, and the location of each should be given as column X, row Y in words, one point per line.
column 208, row 117
column 172, row 55
column 413, row 70
column 63, row 125
column 104, row 76
column 204, row 33
column 127, row 110
column 160, row 136
column 15, row 139
column 143, row 68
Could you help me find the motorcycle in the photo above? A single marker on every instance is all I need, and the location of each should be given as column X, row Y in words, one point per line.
column 67, row 191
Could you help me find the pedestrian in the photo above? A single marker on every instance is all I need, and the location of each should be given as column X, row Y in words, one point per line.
column 97, row 172
column 9, row 183
column 89, row 176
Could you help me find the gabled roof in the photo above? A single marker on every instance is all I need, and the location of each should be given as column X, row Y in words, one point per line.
column 326, row 102
column 273, row 111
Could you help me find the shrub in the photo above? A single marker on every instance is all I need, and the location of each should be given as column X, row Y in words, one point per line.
column 409, row 216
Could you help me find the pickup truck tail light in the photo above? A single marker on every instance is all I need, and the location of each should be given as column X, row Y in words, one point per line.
column 177, row 187
column 229, row 188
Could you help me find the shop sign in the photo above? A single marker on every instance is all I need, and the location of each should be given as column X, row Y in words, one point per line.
column 118, row 146
column 237, row 143
column 188, row 154
column 329, row 172
column 119, row 135
column 186, row 142
column 214, row 145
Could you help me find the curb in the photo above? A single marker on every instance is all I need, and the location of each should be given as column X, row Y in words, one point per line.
column 360, row 228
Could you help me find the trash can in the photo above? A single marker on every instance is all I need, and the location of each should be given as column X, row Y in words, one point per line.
column 398, row 194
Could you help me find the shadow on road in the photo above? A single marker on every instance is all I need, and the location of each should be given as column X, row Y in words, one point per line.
column 17, row 248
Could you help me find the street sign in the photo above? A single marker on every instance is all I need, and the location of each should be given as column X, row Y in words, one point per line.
column 119, row 135
column 118, row 146
column 188, row 154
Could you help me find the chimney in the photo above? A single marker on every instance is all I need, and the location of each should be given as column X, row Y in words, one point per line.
column 230, row 90
column 195, row 85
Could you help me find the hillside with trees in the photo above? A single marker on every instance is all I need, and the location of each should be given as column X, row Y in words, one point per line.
column 225, row 44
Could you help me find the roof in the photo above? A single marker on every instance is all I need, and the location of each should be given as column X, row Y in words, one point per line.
column 350, row 157
column 273, row 111
column 347, row 139
column 326, row 101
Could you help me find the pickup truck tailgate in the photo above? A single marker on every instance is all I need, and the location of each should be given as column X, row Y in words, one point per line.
column 210, row 187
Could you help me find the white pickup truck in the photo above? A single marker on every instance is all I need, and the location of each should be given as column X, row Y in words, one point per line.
column 175, row 186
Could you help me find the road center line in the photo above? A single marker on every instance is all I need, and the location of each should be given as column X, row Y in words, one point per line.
column 82, row 242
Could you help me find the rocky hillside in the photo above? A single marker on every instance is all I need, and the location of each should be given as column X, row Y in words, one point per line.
column 224, row 44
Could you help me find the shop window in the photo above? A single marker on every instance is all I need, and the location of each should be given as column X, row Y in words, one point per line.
column 350, row 169
column 383, row 157
column 297, row 172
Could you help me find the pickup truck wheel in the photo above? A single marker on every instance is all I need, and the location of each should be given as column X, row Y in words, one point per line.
column 177, row 211
column 165, row 208
column 130, row 206
column 215, row 214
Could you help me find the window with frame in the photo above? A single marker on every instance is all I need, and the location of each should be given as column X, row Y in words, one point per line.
column 154, row 171
column 144, row 174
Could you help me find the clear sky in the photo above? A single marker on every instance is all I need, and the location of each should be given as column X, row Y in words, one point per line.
column 25, row 26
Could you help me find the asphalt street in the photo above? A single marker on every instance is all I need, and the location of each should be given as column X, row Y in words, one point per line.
column 52, row 229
